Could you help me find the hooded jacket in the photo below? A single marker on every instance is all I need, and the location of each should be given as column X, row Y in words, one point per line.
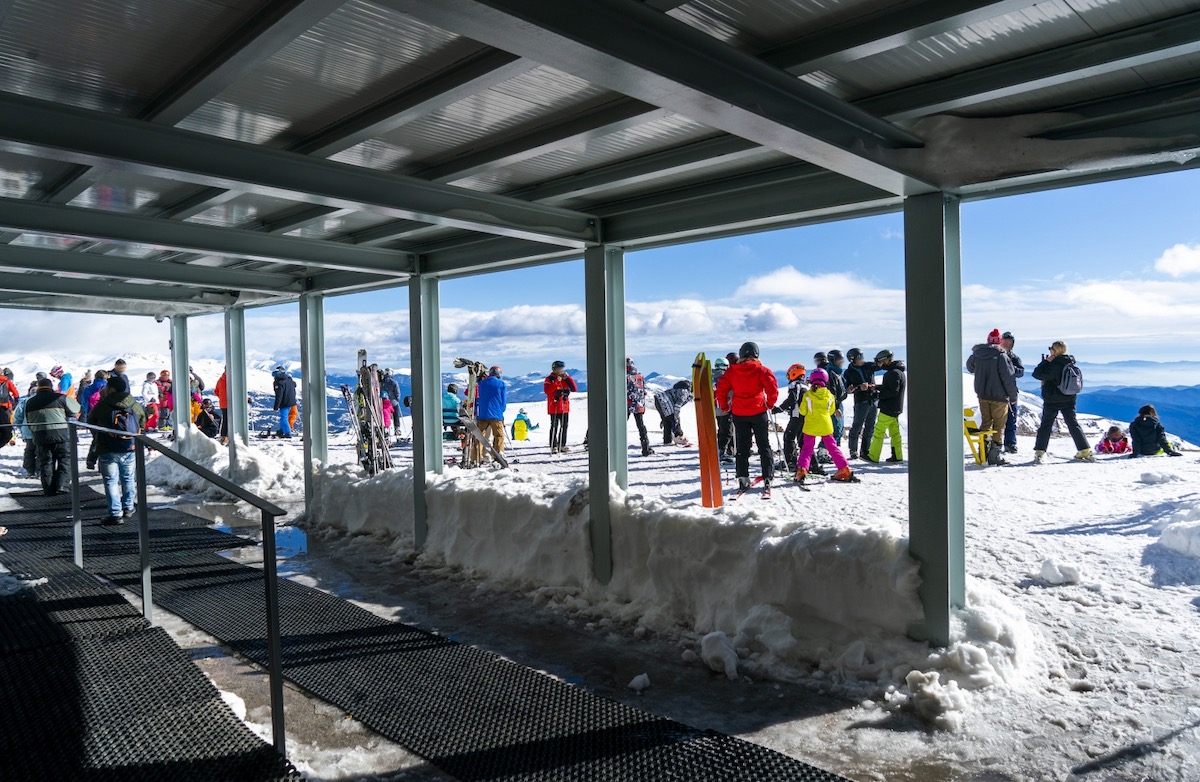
column 995, row 378
column 817, row 406
column 285, row 391
column 450, row 404
column 837, row 382
column 558, row 390
column 102, row 415
column 753, row 387
column 891, row 389
column 46, row 415
column 221, row 389
column 635, row 393
column 1149, row 437
column 671, row 401
column 491, row 399
column 1050, row 373
column 9, row 393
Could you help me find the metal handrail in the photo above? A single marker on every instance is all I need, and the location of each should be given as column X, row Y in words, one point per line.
column 269, row 513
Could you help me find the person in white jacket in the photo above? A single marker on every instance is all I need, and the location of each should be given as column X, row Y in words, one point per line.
column 150, row 390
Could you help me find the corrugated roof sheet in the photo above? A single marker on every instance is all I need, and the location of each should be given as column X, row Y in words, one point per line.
column 755, row 25
column 24, row 177
column 110, row 55
column 1106, row 16
column 336, row 226
column 244, row 208
column 122, row 191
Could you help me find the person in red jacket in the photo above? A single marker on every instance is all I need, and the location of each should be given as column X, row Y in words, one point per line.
column 558, row 387
column 9, row 394
column 754, row 391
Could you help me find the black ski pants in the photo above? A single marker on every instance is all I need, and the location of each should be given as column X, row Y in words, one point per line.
column 1050, row 413
column 558, row 429
column 791, row 438
column 6, row 429
column 724, row 434
column 54, row 466
column 863, row 428
column 30, row 460
column 671, row 428
column 640, row 420
column 756, row 428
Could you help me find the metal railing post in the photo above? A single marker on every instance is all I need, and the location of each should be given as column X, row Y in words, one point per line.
column 274, row 642
column 76, row 512
column 143, row 532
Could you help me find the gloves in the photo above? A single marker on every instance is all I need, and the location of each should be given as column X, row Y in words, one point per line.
column 775, row 411
column 91, row 464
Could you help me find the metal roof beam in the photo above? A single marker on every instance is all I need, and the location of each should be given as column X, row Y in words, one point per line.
column 44, row 129
column 99, row 305
column 1165, row 39
column 209, row 240
column 36, row 259
column 647, row 55
column 65, row 286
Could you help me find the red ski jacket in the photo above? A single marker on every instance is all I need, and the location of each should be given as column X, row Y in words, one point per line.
column 755, row 389
column 557, row 393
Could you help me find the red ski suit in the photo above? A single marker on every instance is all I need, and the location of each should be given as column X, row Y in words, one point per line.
column 755, row 389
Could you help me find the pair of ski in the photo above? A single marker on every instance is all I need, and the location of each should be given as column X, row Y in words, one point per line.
column 766, row 494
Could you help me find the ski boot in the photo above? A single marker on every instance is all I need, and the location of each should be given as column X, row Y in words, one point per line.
column 766, row 492
column 647, row 450
column 1085, row 455
column 1039, row 457
column 1010, row 449
column 845, row 475
column 895, row 458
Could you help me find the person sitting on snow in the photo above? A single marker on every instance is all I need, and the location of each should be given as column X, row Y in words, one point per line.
column 208, row 420
column 1114, row 442
column 524, row 417
column 1149, row 436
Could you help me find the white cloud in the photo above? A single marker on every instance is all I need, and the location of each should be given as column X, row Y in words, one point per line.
column 1180, row 260
column 771, row 316
column 791, row 284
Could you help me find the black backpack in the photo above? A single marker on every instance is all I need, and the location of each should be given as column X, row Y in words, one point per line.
column 123, row 419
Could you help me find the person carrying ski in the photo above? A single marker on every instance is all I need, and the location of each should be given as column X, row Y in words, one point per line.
column 860, row 379
column 1055, row 400
column 1114, row 442
column 670, row 404
column 635, row 403
column 491, row 403
column 819, row 408
column 9, row 396
column 114, row 454
column 835, row 367
column 891, row 405
column 996, row 387
column 558, row 387
column 748, row 390
column 1149, row 436
column 285, row 400
column 724, row 422
column 46, row 414
column 1008, row 341
column 797, row 376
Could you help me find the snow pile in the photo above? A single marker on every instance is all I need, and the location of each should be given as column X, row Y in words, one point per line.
column 1182, row 532
column 717, row 652
column 1058, row 573
column 11, row 584
column 273, row 473
column 1154, row 478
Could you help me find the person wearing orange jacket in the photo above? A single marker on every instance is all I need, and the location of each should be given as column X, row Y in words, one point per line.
column 558, row 387
column 223, row 402
column 754, row 391
column 9, row 394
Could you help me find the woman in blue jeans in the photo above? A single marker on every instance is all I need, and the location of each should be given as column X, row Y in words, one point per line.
column 114, row 454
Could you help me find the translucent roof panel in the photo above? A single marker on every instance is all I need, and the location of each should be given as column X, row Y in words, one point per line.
column 755, row 25
column 1106, row 16
column 243, row 209
column 542, row 94
column 110, row 55
column 26, row 177
column 1048, row 98
column 352, row 58
column 336, row 226
column 121, row 191
column 45, row 241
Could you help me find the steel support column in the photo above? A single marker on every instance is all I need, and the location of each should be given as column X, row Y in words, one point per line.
column 933, row 301
column 237, row 424
column 425, row 348
column 180, row 377
column 316, row 406
column 604, row 297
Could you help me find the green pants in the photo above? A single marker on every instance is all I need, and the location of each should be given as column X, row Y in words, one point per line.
column 886, row 425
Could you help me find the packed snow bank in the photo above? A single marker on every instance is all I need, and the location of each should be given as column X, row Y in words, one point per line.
column 273, row 473
column 1183, row 537
column 829, row 598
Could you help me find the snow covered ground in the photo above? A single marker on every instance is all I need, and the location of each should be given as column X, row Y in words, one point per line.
column 1076, row 659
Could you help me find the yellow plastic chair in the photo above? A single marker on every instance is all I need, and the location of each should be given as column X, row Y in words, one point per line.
column 976, row 438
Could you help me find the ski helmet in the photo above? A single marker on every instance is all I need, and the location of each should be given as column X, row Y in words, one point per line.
column 495, row 371
column 818, row 378
column 795, row 372
column 384, row 395
column 452, row 388
column 721, row 364
column 820, row 358
column 731, row 357
column 884, row 355
column 558, row 365
column 57, row 371
column 630, row 367
column 835, row 355
column 748, row 350
column 683, row 384
column 854, row 354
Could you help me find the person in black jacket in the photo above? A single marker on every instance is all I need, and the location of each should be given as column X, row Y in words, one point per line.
column 1010, row 427
column 1148, row 435
column 209, row 420
column 860, row 380
column 1054, row 401
column 46, row 415
column 891, row 405
column 285, row 399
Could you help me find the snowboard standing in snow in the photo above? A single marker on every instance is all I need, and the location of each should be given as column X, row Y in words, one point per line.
column 372, row 445
column 706, row 433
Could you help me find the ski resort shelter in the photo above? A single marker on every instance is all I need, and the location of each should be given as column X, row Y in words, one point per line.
column 171, row 158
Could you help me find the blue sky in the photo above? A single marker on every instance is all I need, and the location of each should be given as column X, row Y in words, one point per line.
column 1112, row 268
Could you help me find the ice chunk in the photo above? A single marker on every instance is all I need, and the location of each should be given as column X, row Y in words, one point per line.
column 718, row 654
column 1059, row 573
column 1183, row 537
column 640, row 682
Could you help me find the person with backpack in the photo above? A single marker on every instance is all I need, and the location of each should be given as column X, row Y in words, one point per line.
column 92, row 392
column 46, row 415
column 1062, row 380
column 558, row 387
column 748, row 390
column 114, row 454
column 29, row 462
column 285, row 400
column 635, row 403
column 491, row 404
column 996, row 387
column 1149, row 436
column 1008, row 341
column 818, row 406
column 9, row 396
column 793, row 433
column 860, row 380
column 891, row 405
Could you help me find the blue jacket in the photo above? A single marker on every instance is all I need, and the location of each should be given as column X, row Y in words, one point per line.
column 491, row 401
column 449, row 408
column 19, row 419
column 64, row 382
column 96, row 385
